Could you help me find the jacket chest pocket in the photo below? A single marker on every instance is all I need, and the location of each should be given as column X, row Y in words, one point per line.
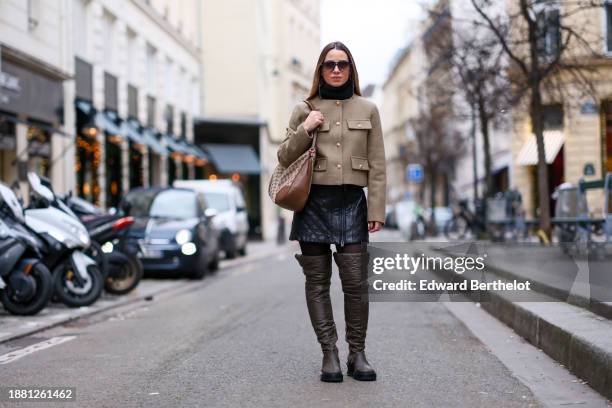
column 359, row 126
column 360, row 163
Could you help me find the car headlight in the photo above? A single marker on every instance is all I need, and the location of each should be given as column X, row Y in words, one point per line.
column 189, row 248
column 183, row 236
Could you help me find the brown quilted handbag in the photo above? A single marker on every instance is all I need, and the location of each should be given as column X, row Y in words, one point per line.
column 289, row 186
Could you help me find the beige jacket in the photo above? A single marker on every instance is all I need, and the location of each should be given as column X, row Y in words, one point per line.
column 350, row 148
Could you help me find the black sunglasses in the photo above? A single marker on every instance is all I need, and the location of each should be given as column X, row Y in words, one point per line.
column 330, row 65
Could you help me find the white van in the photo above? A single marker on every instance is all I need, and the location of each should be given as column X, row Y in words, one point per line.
column 231, row 219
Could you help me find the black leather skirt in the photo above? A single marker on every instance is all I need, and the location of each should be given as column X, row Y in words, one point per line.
column 332, row 214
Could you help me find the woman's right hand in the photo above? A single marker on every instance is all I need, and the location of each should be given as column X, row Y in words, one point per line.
column 314, row 120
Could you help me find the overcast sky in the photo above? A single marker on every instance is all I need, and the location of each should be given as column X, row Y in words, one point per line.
column 372, row 30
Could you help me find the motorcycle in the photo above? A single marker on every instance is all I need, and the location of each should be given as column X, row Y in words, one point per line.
column 77, row 279
column 26, row 285
column 122, row 267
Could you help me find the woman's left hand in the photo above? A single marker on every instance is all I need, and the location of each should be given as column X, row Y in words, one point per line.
column 374, row 226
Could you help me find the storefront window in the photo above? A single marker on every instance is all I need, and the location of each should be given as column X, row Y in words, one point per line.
column 7, row 150
column 152, row 162
column 113, row 170
column 199, row 172
column 136, row 173
column 39, row 150
column 171, row 170
column 88, row 154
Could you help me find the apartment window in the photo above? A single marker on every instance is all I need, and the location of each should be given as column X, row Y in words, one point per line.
column 183, row 125
column 552, row 117
column 169, row 115
column 168, row 78
column 132, row 54
column 132, row 101
column 111, row 99
column 80, row 28
column 608, row 7
column 108, row 29
column 34, row 13
column 84, row 79
column 195, row 97
column 549, row 32
column 150, row 111
column 150, row 66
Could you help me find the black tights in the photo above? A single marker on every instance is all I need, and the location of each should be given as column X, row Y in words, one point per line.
column 317, row 248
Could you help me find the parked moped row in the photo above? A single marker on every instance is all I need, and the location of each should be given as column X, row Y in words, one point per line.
column 50, row 251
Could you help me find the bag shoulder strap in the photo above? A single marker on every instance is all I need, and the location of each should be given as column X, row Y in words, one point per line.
column 314, row 136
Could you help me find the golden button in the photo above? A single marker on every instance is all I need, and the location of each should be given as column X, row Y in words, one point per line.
column 337, row 123
column 338, row 103
column 338, row 144
column 338, row 165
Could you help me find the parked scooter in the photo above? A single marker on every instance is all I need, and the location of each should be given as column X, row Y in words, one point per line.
column 123, row 269
column 26, row 285
column 77, row 279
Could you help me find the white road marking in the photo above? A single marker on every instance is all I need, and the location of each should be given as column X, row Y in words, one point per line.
column 17, row 354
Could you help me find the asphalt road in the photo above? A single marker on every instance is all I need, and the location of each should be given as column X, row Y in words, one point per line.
column 244, row 339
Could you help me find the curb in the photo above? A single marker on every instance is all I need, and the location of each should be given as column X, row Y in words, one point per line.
column 600, row 308
column 179, row 287
column 582, row 352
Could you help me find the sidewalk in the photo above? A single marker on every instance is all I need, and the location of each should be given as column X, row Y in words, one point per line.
column 565, row 329
column 13, row 327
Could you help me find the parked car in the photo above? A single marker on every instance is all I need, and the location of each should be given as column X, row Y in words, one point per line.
column 231, row 219
column 174, row 229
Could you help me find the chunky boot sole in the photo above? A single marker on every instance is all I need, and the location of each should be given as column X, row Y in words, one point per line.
column 359, row 375
column 331, row 377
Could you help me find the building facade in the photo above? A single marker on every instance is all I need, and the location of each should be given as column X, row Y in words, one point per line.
column 137, row 90
column 577, row 124
column 100, row 95
column 36, row 90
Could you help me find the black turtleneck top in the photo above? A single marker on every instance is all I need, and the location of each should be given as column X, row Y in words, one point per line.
column 344, row 91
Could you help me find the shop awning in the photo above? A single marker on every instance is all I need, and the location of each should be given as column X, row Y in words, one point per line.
column 107, row 121
column 149, row 138
column 553, row 141
column 85, row 107
column 174, row 145
column 193, row 150
column 233, row 158
column 131, row 129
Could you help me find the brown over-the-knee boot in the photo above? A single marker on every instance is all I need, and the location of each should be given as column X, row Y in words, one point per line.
column 353, row 274
column 317, row 269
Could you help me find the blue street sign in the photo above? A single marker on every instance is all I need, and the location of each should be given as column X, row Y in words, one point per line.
column 414, row 172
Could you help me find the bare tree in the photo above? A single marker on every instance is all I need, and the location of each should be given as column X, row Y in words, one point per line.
column 480, row 75
column 540, row 42
column 439, row 146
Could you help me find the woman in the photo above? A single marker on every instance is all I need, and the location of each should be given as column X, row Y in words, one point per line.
column 350, row 156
